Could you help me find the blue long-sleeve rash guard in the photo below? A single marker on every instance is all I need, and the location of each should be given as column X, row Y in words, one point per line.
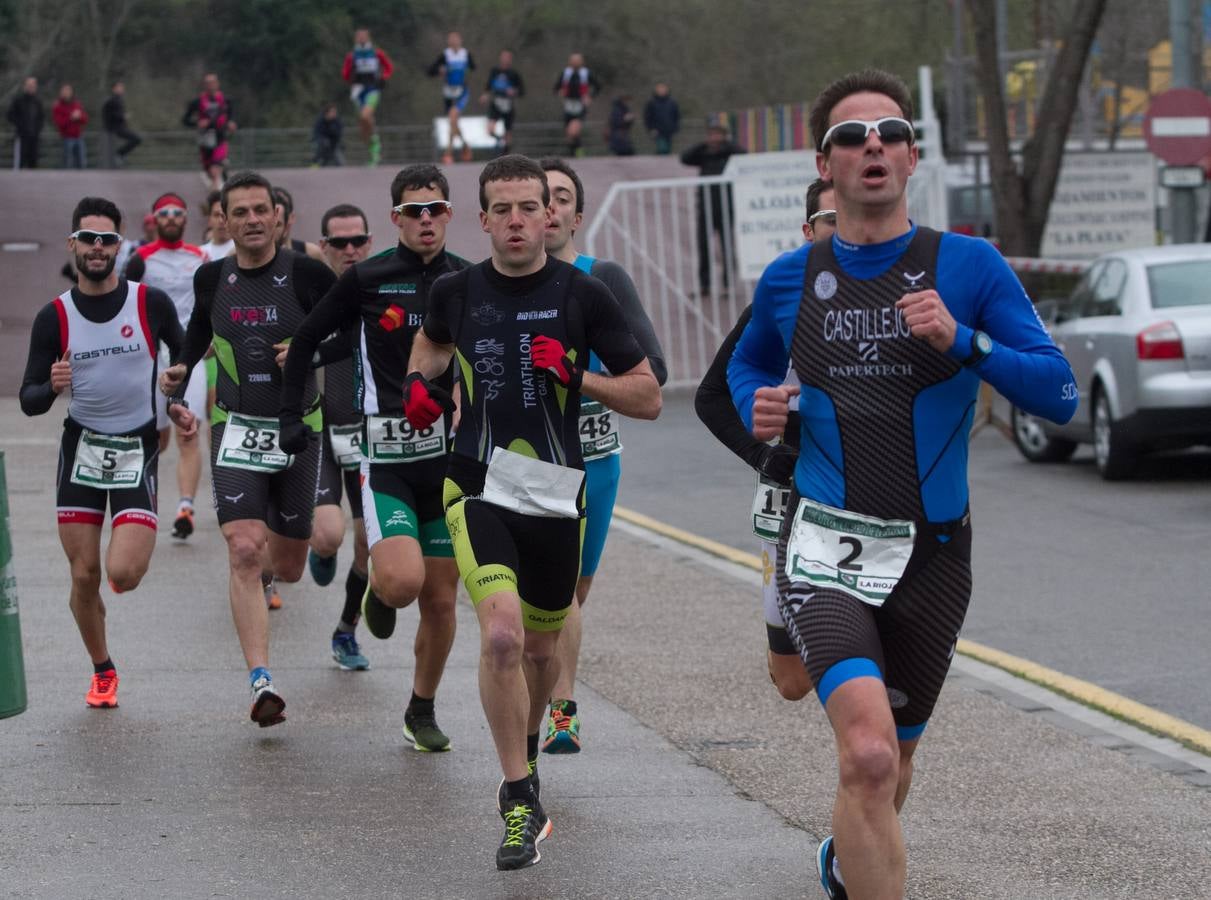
column 982, row 293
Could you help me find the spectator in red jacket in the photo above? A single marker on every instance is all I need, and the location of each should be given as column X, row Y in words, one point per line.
column 70, row 118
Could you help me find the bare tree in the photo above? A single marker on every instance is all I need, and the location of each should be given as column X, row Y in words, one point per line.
column 1022, row 196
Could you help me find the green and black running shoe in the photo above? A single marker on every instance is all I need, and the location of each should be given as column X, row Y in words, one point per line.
column 378, row 616
column 421, row 729
column 526, row 826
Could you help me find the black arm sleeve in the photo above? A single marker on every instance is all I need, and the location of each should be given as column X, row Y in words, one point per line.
column 436, row 68
column 713, row 402
column 135, row 268
column 165, row 326
column 36, row 393
column 200, row 331
column 440, row 313
column 312, row 280
column 337, row 310
column 519, row 84
column 190, row 118
column 606, row 327
column 619, row 282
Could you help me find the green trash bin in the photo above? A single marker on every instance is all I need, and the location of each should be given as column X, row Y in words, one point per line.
column 12, row 665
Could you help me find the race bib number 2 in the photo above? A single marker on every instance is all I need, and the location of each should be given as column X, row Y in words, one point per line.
column 391, row 440
column 107, row 462
column 861, row 555
column 251, row 442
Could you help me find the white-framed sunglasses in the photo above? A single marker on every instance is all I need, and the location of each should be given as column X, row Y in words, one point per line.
column 415, row 210
column 107, row 238
column 823, row 214
column 853, row 132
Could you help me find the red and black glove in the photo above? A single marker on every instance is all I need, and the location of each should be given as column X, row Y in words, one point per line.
column 424, row 401
column 547, row 353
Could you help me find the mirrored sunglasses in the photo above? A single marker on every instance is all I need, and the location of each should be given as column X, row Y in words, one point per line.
column 107, row 238
column 415, row 210
column 853, row 132
column 340, row 243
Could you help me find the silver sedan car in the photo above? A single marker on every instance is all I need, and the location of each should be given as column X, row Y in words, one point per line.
column 1137, row 332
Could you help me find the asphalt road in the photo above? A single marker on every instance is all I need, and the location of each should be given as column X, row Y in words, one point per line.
column 1103, row 581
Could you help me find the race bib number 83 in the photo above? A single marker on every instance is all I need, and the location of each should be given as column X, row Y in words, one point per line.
column 251, row 442
column 861, row 555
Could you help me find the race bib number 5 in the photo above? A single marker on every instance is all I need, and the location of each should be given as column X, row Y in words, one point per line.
column 391, row 440
column 861, row 555
column 251, row 442
column 598, row 426
column 107, row 462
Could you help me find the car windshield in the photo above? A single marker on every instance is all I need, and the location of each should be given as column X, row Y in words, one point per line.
column 1180, row 284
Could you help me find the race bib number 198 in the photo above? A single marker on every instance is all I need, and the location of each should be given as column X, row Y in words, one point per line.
column 861, row 555
column 391, row 440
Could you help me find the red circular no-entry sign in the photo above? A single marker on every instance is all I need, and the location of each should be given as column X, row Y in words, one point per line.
column 1177, row 126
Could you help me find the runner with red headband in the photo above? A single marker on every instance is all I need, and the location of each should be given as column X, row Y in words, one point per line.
column 168, row 263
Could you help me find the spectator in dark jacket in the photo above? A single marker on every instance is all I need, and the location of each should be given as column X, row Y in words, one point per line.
column 618, row 135
column 70, row 118
column 27, row 117
column 117, row 128
column 326, row 137
column 662, row 118
column 716, row 213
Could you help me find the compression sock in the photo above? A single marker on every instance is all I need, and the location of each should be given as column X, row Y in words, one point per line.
column 532, row 746
column 420, row 705
column 355, row 587
column 521, row 789
column 100, row 667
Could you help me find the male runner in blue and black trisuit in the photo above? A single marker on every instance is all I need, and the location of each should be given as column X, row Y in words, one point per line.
column 890, row 328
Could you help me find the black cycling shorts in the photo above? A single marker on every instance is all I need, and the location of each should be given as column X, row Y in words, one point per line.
column 536, row 557
column 284, row 501
column 335, row 481
column 908, row 641
column 84, row 505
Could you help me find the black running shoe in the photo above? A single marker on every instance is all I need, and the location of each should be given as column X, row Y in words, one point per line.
column 526, row 825
column 423, row 732
column 182, row 526
column 378, row 616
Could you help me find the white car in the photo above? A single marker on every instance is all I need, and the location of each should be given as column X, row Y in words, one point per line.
column 1137, row 332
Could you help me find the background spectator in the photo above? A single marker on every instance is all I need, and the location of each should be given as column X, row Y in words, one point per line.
column 70, row 118
column 210, row 113
column 715, row 211
column 326, row 138
column 618, row 133
column 662, row 117
column 117, row 129
column 27, row 116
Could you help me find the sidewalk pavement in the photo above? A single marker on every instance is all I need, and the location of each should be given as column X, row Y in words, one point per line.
column 696, row 780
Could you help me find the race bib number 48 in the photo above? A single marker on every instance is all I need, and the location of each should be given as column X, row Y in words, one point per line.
column 251, row 442
column 391, row 440
column 107, row 462
column 346, row 443
column 598, row 427
column 861, row 555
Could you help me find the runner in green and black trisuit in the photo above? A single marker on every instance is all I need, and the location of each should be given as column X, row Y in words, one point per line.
column 383, row 299
column 246, row 304
column 521, row 325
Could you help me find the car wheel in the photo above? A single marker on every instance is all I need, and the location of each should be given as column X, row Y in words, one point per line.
column 1115, row 457
column 1033, row 442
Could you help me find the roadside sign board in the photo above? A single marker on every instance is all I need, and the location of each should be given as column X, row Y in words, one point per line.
column 1177, row 126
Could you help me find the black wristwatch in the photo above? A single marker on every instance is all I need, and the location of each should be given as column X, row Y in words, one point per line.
column 176, row 401
column 981, row 346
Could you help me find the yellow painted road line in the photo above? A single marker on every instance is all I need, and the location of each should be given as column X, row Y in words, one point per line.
column 1082, row 691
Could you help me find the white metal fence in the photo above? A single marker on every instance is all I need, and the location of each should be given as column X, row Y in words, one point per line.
column 652, row 228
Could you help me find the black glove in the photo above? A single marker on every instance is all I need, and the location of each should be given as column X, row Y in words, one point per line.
column 292, row 433
column 778, row 463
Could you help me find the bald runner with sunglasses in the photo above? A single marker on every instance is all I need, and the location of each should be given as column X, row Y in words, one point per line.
column 889, row 328
column 383, row 301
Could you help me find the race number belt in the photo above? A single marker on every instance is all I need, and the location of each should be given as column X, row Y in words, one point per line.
column 346, row 441
column 107, row 462
column 598, row 429
column 833, row 548
column 390, row 440
column 531, row 486
column 502, row 104
column 573, row 107
column 453, row 91
column 251, row 442
column 769, row 508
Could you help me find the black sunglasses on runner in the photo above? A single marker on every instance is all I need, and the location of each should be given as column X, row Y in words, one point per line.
column 415, row 210
column 107, row 238
column 853, row 132
column 340, row 243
